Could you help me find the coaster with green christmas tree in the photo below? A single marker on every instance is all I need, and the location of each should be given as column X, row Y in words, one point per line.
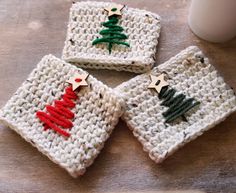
column 176, row 102
column 105, row 35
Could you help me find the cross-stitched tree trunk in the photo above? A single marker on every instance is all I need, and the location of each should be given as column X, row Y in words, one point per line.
column 112, row 35
column 177, row 103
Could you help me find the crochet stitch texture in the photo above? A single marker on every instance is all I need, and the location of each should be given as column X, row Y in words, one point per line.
column 85, row 23
column 190, row 73
column 96, row 113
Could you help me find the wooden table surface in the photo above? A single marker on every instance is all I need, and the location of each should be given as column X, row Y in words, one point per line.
column 30, row 29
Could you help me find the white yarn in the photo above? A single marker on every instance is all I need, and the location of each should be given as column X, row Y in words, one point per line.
column 188, row 75
column 142, row 28
column 97, row 111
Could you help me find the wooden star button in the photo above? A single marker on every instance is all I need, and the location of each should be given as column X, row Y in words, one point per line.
column 114, row 10
column 158, row 82
column 78, row 80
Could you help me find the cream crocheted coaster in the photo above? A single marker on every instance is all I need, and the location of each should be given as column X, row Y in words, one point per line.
column 96, row 111
column 190, row 73
column 85, row 23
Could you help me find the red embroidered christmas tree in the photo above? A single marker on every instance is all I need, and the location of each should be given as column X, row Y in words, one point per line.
column 58, row 116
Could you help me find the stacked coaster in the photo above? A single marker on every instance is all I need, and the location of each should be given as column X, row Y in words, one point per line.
column 163, row 121
column 67, row 124
column 103, row 21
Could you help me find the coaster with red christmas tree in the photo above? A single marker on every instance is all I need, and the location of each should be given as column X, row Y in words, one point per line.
column 176, row 102
column 64, row 112
column 104, row 35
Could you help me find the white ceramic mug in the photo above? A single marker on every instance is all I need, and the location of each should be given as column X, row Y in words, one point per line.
column 213, row 20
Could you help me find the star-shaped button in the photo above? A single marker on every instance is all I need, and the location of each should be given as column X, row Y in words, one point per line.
column 158, row 82
column 114, row 10
column 78, row 80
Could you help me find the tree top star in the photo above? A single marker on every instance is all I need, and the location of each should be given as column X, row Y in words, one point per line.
column 114, row 10
column 158, row 82
column 78, row 80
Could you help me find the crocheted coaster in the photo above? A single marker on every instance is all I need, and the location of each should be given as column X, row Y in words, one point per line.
column 190, row 74
column 94, row 111
column 141, row 27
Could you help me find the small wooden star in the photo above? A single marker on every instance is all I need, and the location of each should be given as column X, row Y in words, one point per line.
column 78, row 80
column 114, row 10
column 158, row 82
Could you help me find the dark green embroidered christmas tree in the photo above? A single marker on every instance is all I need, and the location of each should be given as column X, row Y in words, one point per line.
column 178, row 104
column 113, row 34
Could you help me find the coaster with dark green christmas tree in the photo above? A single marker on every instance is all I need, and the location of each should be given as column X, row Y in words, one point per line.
column 104, row 35
column 175, row 102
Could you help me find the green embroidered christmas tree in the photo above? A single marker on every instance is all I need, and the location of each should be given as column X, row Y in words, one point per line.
column 178, row 104
column 113, row 34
